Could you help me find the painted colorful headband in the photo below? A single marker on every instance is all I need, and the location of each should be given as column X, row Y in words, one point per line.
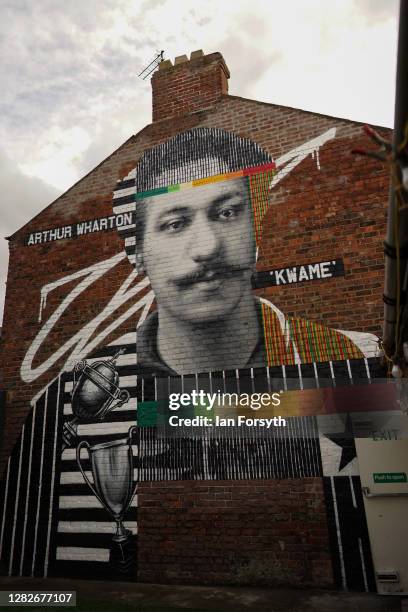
column 227, row 176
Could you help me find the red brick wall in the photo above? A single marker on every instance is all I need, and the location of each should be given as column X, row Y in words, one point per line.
column 247, row 532
column 265, row 532
column 336, row 212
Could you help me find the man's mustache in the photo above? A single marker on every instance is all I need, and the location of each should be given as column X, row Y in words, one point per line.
column 204, row 274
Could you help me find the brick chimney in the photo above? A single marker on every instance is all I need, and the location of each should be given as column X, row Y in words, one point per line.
column 188, row 86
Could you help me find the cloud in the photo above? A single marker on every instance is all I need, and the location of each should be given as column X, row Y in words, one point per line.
column 63, row 74
column 249, row 34
column 22, row 197
column 377, row 10
column 70, row 88
column 331, row 61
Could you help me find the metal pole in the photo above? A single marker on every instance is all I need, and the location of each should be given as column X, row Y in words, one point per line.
column 396, row 244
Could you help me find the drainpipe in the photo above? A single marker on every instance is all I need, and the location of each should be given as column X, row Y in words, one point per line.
column 396, row 242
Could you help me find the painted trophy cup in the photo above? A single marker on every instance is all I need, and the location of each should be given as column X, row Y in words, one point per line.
column 112, row 473
column 93, row 395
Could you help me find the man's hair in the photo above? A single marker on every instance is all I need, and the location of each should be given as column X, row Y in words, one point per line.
column 217, row 150
column 173, row 162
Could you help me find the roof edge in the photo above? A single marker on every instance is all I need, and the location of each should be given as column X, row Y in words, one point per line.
column 226, row 96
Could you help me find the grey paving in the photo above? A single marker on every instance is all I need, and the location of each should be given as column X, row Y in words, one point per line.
column 214, row 598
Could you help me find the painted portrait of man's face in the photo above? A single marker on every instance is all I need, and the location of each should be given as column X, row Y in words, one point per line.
column 198, row 250
column 199, row 201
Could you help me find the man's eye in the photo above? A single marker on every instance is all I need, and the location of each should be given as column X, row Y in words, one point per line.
column 225, row 214
column 173, row 225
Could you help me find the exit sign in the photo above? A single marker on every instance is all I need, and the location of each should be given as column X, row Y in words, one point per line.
column 382, row 477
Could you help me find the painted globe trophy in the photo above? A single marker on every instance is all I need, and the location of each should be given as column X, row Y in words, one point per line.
column 94, row 394
column 111, row 466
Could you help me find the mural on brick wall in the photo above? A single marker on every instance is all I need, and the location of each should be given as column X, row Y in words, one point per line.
column 190, row 215
column 200, row 267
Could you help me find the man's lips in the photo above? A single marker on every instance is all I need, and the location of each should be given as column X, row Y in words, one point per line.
column 208, row 278
column 210, row 282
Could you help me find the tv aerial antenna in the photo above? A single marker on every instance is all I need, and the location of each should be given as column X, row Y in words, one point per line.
column 152, row 66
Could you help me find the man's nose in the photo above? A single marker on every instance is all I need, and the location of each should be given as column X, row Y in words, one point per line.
column 205, row 243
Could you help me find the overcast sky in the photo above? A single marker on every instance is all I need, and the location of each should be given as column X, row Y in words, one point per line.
column 70, row 92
